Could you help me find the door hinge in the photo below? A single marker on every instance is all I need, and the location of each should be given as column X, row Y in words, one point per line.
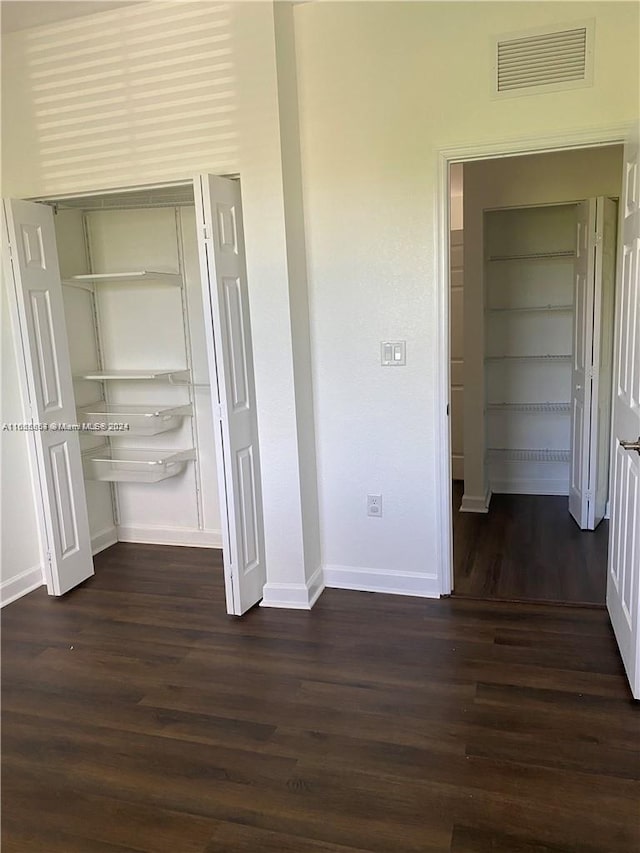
column 447, row 409
column 206, row 233
column 218, row 411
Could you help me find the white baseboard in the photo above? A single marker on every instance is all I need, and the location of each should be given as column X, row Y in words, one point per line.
column 316, row 586
column 380, row 580
column 476, row 503
column 170, row 536
column 104, row 539
column 530, row 487
column 607, row 510
column 294, row 596
column 19, row 585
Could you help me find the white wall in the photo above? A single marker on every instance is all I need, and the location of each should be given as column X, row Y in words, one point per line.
column 535, row 179
column 456, row 195
column 146, row 92
column 383, row 87
column 277, row 591
column 155, row 92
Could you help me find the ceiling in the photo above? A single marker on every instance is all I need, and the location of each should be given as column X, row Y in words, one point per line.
column 22, row 14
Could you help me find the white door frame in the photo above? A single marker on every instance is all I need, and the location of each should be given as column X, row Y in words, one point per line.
column 593, row 138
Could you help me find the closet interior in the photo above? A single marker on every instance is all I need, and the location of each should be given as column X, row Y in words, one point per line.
column 529, row 305
column 549, row 274
column 134, row 316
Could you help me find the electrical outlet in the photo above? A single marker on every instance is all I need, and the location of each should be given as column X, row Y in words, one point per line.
column 374, row 505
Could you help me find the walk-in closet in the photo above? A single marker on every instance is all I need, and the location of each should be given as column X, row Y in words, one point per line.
column 549, row 275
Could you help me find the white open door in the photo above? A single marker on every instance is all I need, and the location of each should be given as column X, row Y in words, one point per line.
column 581, row 374
column 35, row 293
column 600, row 444
column 228, row 331
column 623, row 575
column 591, row 373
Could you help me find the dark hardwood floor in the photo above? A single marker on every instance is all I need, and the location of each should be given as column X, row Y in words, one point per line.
column 137, row 716
column 528, row 548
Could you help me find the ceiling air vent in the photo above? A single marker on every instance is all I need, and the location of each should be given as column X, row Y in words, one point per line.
column 544, row 60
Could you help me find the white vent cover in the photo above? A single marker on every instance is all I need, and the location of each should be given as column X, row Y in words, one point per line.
column 544, row 60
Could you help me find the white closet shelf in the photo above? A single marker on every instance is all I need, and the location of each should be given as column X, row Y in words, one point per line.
column 138, row 419
column 172, row 376
column 561, row 357
column 134, row 466
column 565, row 309
column 125, row 277
column 534, row 256
column 531, row 408
column 527, row 455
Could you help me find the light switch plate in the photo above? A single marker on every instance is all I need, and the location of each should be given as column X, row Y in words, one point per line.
column 393, row 353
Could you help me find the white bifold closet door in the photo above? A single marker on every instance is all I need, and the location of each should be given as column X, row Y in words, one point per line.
column 591, row 369
column 33, row 278
column 223, row 265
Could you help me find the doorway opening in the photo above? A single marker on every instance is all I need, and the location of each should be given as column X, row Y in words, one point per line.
column 532, row 273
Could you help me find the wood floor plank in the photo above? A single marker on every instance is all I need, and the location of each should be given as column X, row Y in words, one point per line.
column 140, row 717
column 237, row 838
column 527, row 548
column 557, row 752
column 472, row 840
column 122, row 825
column 19, row 839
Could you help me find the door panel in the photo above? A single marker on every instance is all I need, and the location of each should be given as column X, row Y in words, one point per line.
column 231, row 364
column 623, row 576
column 248, row 509
column 61, row 477
column 36, row 293
column 44, row 352
column 236, row 353
column 603, row 321
column 582, row 355
column 577, row 427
